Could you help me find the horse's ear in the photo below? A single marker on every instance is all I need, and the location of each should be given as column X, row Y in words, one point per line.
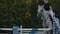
column 38, row 6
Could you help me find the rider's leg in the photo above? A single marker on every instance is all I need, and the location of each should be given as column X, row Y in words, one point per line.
column 51, row 17
column 51, row 14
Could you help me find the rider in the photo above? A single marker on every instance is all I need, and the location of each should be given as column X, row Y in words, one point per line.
column 48, row 8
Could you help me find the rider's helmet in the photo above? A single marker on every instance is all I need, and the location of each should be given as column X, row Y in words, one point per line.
column 45, row 1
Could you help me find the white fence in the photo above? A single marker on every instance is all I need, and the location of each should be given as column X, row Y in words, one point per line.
column 27, row 29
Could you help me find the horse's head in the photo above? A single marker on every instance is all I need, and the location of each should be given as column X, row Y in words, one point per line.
column 40, row 10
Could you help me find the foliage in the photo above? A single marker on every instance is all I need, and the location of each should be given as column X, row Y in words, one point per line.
column 23, row 12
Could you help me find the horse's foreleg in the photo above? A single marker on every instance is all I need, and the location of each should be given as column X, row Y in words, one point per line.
column 43, row 24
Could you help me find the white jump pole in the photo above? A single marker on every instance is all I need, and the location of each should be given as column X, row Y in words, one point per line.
column 20, row 29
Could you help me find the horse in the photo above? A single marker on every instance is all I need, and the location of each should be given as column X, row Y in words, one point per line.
column 47, row 23
column 45, row 17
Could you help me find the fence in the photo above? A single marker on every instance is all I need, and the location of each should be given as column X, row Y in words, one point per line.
column 16, row 29
column 25, row 29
